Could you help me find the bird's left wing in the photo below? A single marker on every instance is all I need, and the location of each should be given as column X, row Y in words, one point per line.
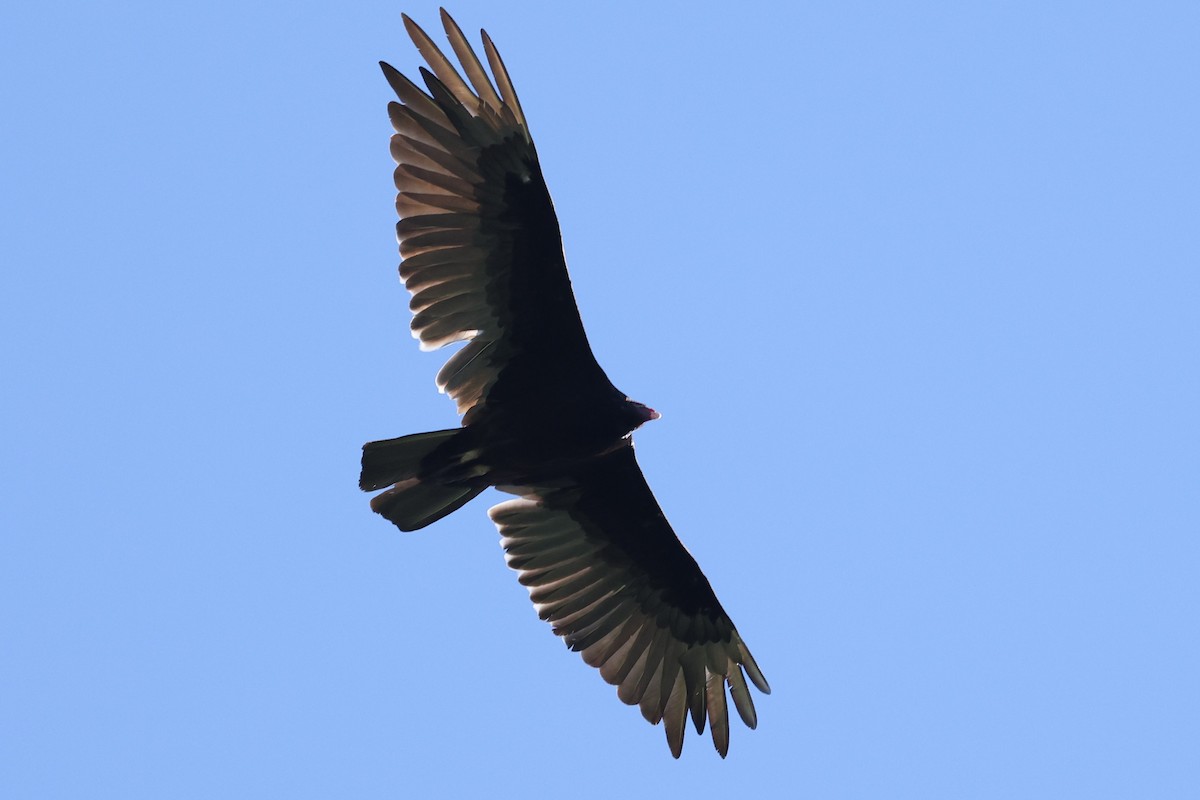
column 479, row 240
column 604, row 567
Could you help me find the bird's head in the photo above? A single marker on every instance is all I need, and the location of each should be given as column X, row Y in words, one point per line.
column 640, row 413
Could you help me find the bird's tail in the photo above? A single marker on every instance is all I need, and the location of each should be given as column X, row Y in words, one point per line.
column 413, row 501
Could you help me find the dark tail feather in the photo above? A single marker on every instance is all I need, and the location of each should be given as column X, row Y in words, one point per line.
column 393, row 460
column 411, row 503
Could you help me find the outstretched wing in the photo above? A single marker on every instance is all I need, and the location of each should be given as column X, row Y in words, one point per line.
column 479, row 241
column 603, row 566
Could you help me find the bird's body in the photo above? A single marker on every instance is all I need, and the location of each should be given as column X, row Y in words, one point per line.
column 482, row 256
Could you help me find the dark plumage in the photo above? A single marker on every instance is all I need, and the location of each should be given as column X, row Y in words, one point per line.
column 482, row 256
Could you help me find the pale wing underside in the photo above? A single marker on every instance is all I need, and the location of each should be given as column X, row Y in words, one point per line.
column 665, row 661
column 449, row 200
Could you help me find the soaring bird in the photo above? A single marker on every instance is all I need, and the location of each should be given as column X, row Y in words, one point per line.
column 482, row 256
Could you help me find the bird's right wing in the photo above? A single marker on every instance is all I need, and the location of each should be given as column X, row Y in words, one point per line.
column 603, row 566
column 479, row 240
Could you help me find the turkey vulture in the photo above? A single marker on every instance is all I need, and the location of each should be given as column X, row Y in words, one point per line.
column 482, row 256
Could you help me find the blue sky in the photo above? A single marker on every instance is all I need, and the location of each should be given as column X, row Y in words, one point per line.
column 915, row 287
